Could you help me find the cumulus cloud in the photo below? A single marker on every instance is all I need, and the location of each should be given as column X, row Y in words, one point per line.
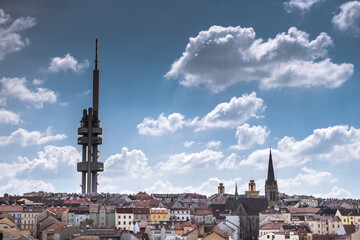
column 231, row 162
column 336, row 192
column 233, row 113
column 224, row 115
column 188, row 144
column 162, row 125
column 26, row 138
column 302, row 5
column 66, row 63
column 131, row 164
column 348, row 20
column 184, row 162
column 20, row 186
column 15, row 88
column 208, row 187
column 10, row 38
column 7, row 117
column 307, row 176
column 223, row 56
column 37, row 81
column 47, row 161
column 213, row 144
column 333, row 144
column 249, row 136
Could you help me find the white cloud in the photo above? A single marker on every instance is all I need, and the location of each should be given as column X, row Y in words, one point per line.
column 213, row 144
column 333, row 144
column 233, row 113
column 37, row 81
column 249, row 136
column 10, row 38
column 7, row 117
column 224, row 115
column 302, row 5
column 20, row 186
column 15, row 87
column 307, row 176
column 183, row 162
column 231, row 162
column 208, row 188
column 128, row 164
column 66, row 63
column 188, row 144
column 223, row 56
column 336, row 192
column 161, row 125
column 47, row 161
column 349, row 18
column 26, row 138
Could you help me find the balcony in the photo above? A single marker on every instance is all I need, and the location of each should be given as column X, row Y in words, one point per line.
column 97, row 131
column 82, row 130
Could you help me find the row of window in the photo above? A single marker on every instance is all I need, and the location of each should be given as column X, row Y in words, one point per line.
column 28, row 221
column 159, row 217
column 180, row 212
column 124, row 223
column 29, row 215
column 124, row 216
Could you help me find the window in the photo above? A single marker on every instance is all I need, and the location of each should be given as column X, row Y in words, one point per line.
column 129, row 222
column 124, row 216
column 119, row 216
column 124, row 223
column 268, row 236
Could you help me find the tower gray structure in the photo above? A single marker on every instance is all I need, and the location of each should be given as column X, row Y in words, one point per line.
column 271, row 187
column 90, row 130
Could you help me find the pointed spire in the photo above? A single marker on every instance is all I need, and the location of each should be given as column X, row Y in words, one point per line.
column 271, row 175
column 96, row 57
column 236, row 191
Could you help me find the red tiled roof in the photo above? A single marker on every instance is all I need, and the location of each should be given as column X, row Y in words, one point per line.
column 11, row 208
column 272, row 226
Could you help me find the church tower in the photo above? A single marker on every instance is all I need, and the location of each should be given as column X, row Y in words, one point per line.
column 271, row 187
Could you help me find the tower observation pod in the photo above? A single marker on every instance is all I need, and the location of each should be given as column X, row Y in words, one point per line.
column 90, row 140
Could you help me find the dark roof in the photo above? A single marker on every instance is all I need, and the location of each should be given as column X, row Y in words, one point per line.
column 327, row 212
column 270, row 175
column 252, row 206
column 349, row 212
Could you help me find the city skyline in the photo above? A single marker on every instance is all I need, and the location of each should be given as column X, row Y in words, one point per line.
column 191, row 94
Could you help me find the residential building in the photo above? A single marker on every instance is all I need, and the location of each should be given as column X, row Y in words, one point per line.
column 124, row 218
column 159, row 214
column 271, row 227
column 29, row 216
column 349, row 216
column 14, row 210
column 141, row 214
column 77, row 215
column 102, row 215
column 204, row 215
column 180, row 214
column 323, row 225
column 160, row 230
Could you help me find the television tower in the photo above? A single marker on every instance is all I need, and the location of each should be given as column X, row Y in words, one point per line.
column 89, row 132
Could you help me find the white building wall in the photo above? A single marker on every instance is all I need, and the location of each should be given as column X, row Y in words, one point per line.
column 124, row 221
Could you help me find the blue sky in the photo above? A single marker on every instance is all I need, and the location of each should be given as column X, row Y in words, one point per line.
column 192, row 93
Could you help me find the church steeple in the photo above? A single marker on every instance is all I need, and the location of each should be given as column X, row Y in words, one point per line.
column 271, row 187
column 270, row 175
column 236, row 191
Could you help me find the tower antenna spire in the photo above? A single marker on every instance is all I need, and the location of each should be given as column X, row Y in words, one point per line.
column 96, row 57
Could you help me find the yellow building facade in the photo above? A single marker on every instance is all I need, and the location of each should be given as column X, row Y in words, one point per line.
column 159, row 214
column 28, row 218
column 349, row 216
